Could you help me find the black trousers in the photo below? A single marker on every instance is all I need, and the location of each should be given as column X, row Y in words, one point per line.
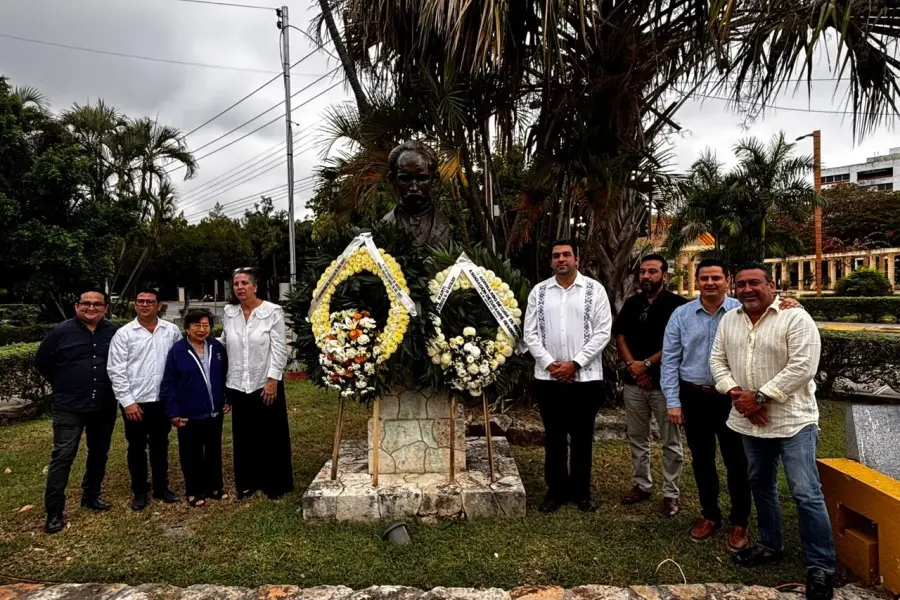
column 568, row 411
column 152, row 432
column 705, row 416
column 200, row 452
column 262, row 443
column 67, row 429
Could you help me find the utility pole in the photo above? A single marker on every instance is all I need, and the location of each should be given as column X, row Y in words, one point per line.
column 284, row 26
column 817, row 219
column 817, row 182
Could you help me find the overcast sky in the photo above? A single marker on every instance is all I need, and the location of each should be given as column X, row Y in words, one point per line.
column 186, row 96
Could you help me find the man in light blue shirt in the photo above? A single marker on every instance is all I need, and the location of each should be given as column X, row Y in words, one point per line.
column 692, row 399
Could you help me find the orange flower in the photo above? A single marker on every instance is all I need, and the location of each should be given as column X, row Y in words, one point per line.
column 355, row 333
column 365, row 314
column 359, row 359
column 357, row 316
column 335, row 377
column 348, row 374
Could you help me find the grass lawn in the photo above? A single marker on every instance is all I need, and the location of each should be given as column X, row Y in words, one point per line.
column 268, row 542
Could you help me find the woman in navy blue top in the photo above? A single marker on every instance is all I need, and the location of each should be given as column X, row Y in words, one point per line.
column 193, row 389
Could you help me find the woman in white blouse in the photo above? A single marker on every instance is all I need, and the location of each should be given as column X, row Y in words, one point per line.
column 257, row 354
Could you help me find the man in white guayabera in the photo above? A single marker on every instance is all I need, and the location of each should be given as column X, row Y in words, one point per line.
column 137, row 359
column 567, row 326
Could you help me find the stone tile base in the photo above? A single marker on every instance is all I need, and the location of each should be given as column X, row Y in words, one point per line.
column 713, row 591
column 424, row 496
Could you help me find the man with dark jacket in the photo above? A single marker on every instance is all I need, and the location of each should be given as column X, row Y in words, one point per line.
column 73, row 359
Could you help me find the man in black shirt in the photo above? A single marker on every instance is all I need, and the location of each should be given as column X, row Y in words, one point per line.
column 73, row 359
column 639, row 330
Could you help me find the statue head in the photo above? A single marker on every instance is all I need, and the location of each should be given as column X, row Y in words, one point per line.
column 413, row 170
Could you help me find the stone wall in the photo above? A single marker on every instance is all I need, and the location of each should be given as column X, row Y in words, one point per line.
column 96, row 591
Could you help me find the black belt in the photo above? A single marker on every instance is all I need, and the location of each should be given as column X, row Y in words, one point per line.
column 706, row 389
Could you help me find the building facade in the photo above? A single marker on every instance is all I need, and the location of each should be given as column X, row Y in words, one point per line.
column 878, row 173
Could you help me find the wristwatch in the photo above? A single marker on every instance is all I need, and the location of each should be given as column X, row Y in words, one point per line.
column 647, row 363
column 761, row 398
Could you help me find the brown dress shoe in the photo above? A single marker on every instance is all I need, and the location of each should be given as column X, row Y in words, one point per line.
column 636, row 495
column 670, row 507
column 737, row 538
column 704, row 529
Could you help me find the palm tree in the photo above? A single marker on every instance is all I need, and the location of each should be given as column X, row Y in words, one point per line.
column 589, row 86
column 737, row 207
column 148, row 148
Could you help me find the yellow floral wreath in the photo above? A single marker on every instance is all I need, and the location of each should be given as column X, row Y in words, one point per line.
column 387, row 342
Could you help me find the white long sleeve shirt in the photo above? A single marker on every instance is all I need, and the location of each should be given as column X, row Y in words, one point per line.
column 137, row 359
column 779, row 356
column 257, row 347
column 568, row 324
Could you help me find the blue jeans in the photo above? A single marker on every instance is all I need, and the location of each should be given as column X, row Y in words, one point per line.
column 798, row 455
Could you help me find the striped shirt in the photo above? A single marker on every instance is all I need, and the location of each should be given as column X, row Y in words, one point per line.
column 779, row 356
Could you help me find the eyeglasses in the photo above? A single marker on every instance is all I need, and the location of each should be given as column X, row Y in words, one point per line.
column 242, row 270
column 91, row 304
column 145, row 302
column 643, row 316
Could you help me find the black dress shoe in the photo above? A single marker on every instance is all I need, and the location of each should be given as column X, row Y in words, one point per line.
column 96, row 504
column 756, row 556
column 587, row 506
column 549, row 505
column 819, row 584
column 139, row 502
column 55, row 523
column 245, row 495
column 169, row 497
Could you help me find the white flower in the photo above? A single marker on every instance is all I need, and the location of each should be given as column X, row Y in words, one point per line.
column 507, row 351
column 473, row 369
column 516, row 312
column 475, row 352
column 484, row 369
column 363, row 340
column 500, row 359
column 469, row 332
column 470, row 359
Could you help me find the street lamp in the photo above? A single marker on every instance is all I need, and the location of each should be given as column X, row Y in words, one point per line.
column 817, row 183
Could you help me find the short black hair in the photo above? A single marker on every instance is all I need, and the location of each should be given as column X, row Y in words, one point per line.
column 147, row 290
column 94, row 290
column 565, row 242
column 711, row 262
column 754, row 266
column 195, row 315
column 659, row 257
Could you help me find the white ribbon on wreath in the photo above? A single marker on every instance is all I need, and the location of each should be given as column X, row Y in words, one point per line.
column 364, row 240
column 507, row 322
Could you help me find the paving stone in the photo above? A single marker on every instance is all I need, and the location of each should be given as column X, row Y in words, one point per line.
column 96, row 591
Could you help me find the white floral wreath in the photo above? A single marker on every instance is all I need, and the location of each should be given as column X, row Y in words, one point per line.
column 469, row 361
column 386, row 342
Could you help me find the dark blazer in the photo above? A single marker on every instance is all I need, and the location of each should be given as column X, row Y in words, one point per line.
column 183, row 387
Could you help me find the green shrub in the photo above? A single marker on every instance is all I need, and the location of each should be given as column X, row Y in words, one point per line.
column 20, row 378
column 13, row 334
column 19, row 314
column 863, row 358
column 866, row 310
column 864, row 282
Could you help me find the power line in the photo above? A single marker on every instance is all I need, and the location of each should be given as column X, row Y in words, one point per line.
column 785, row 108
column 263, row 126
column 247, row 200
column 257, row 90
column 136, row 56
column 273, row 163
column 227, row 4
column 247, row 122
column 222, row 180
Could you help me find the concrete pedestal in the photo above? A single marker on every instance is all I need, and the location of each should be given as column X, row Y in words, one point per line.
column 424, row 496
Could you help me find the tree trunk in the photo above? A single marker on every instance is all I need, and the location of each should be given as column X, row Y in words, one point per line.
column 362, row 103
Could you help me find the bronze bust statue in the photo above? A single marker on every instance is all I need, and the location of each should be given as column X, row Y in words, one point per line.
column 412, row 172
